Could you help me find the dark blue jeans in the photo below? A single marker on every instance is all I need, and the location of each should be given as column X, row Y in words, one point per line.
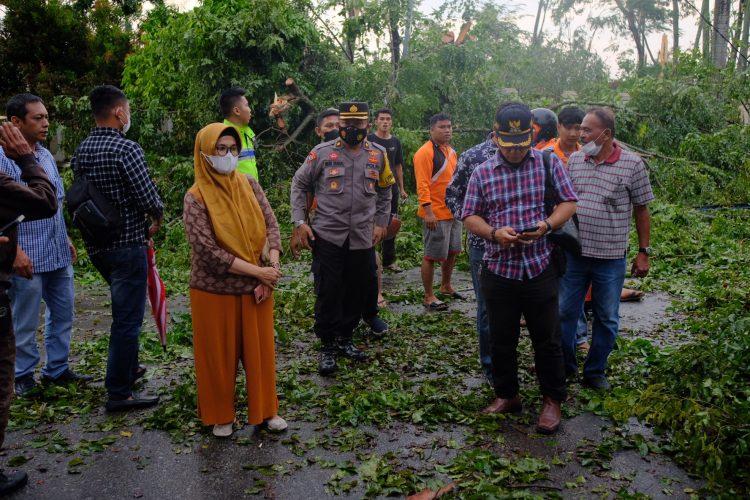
column 606, row 277
column 125, row 270
column 483, row 322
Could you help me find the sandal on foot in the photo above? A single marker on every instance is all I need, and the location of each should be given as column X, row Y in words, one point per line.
column 436, row 305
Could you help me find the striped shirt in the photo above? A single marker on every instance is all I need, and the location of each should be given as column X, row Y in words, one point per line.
column 117, row 167
column 504, row 195
column 607, row 193
column 45, row 241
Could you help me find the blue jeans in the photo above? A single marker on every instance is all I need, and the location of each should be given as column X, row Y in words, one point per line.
column 26, row 295
column 606, row 277
column 483, row 321
column 126, row 272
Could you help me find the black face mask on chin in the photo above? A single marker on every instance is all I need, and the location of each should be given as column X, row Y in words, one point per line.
column 331, row 135
column 518, row 164
column 352, row 135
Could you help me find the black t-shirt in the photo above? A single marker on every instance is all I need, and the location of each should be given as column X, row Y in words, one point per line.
column 393, row 149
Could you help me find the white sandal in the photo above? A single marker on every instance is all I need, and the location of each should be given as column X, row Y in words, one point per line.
column 276, row 424
column 223, row 430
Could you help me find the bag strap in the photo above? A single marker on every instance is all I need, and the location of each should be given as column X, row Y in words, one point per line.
column 550, row 193
column 550, row 198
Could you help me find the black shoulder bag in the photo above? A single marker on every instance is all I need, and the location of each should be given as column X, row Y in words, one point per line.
column 97, row 218
column 566, row 236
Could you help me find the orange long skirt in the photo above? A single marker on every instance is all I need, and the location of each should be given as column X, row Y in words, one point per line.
column 228, row 329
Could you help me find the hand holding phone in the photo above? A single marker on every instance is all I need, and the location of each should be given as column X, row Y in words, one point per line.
column 530, row 229
column 9, row 226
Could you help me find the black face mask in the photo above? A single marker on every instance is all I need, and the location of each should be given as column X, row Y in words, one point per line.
column 331, row 135
column 515, row 165
column 352, row 135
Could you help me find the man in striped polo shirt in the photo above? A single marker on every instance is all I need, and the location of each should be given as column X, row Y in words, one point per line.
column 611, row 184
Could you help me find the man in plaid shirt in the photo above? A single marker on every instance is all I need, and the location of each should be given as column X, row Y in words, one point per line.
column 504, row 205
column 612, row 185
column 43, row 267
column 116, row 166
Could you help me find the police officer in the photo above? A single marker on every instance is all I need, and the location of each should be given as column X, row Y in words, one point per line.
column 348, row 176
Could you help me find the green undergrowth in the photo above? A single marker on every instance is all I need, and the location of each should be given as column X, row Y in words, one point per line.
column 425, row 376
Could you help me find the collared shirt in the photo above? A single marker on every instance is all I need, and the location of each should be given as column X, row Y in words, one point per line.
column 561, row 154
column 246, row 163
column 352, row 189
column 433, row 169
column 45, row 241
column 607, row 192
column 117, row 167
column 504, row 195
column 456, row 191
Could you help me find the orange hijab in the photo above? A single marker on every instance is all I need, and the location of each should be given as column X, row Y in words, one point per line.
column 235, row 213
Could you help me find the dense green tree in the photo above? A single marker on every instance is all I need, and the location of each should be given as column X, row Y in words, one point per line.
column 52, row 47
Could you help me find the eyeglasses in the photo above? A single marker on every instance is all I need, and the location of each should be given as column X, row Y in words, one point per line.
column 222, row 150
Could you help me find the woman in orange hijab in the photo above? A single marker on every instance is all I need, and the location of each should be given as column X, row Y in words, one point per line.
column 229, row 222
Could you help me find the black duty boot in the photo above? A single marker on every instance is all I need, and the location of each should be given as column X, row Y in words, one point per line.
column 350, row 350
column 327, row 363
column 12, row 482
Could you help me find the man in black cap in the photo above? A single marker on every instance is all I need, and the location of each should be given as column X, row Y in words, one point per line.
column 348, row 177
column 504, row 205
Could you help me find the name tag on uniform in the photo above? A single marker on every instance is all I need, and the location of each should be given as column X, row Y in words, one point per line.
column 333, row 166
column 371, row 173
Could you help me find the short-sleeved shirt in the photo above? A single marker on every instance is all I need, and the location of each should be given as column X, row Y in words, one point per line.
column 45, row 241
column 392, row 148
column 116, row 166
column 348, row 187
column 607, row 193
column 433, row 170
column 246, row 163
column 456, row 191
column 504, row 195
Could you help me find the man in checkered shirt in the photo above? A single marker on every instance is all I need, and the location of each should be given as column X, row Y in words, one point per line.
column 116, row 166
column 612, row 185
column 504, row 205
column 43, row 267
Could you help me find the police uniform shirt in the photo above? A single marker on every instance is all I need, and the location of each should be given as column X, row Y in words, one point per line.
column 348, row 188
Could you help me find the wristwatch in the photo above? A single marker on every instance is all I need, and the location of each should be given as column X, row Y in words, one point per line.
column 298, row 223
column 646, row 250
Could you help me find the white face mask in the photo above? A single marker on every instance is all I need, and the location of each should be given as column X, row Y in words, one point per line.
column 125, row 125
column 591, row 148
column 225, row 165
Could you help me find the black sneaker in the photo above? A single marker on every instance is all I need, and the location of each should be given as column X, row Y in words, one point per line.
column 24, row 385
column 597, row 383
column 350, row 350
column 377, row 326
column 327, row 361
column 67, row 377
column 12, row 482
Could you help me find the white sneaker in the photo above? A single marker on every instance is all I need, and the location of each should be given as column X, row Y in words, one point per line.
column 276, row 423
column 223, row 430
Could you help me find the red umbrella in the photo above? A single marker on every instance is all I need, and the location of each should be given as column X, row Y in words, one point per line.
column 157, row 295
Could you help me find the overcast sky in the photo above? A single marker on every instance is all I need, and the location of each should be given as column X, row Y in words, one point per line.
column 526, row 13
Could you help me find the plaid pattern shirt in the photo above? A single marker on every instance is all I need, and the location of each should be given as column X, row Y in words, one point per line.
column 45, row 241
column 456, row 192
column 503, row 195
column 117, row 167
column 608, row 191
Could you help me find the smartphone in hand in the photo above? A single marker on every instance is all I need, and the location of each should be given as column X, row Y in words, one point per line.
column 258, row 291
column 9, row 226
column 530, row 229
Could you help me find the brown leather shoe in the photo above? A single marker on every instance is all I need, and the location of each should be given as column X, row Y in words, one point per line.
column 499, row 405
column 549, row 419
